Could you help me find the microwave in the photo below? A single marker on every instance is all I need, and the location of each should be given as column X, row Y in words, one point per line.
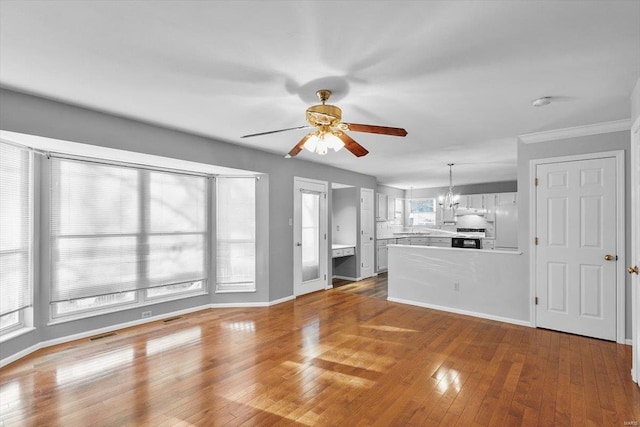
column 466, row 242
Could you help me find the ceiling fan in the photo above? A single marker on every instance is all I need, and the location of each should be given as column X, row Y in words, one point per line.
column 330, row 129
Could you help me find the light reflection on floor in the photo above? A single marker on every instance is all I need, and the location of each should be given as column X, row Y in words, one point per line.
column 387, row 328
column 9, row 397
column 177, row 339
column 243, row 325
column 94, row 367
column 449, row 379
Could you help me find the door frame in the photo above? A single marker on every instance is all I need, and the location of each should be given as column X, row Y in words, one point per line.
column 620, row 232
column 635, row 250
column 324, row 224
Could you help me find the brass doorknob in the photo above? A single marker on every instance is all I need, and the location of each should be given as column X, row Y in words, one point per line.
column 608, row 257
column 633, row 270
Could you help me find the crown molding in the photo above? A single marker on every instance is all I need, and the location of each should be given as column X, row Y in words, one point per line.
column 573, row 132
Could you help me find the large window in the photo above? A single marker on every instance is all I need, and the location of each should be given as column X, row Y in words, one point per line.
column 122, row 235
column 236, row 234
column 16, row 293
column 422, row 212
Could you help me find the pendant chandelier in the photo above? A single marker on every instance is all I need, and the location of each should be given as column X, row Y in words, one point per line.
column 449, row 202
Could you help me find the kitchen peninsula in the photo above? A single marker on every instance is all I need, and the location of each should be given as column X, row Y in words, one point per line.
column 491, row 284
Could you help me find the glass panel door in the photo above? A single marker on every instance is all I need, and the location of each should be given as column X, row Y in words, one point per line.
column 310, row 236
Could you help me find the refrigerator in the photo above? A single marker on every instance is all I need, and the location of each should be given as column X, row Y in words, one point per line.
column 506, row 226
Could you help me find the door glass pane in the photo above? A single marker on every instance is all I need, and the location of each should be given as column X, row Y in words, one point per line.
column 310, row 236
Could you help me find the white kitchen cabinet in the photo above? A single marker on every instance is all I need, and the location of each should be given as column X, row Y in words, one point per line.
column 441, row 242
column 382, row 207
column 382, row 254
column 507, row 198
column 490, row 207
column 475, row 202
column 419, row 241
column 399, row 209
column 471, row 203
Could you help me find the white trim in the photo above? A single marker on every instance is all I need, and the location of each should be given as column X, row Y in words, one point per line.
column 324, row 229
column 634, row 150
column 463, row 312
column 252, row 304
column 353, row 279
column 573, row 132
column 620, row 231
column 99, row 331
column 120, row 326
column 281, row 300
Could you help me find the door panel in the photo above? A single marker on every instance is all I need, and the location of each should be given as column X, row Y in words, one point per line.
column 310, row 251
column 576, row 228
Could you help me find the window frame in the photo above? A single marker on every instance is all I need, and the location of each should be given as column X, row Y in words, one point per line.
column 25, row 314
column 434, row 211
column 141, row 295
column 226, row 288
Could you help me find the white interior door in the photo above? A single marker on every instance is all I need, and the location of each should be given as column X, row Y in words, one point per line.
column 635, row 248
column 576, row 227
column 310, row 251
column 367, row 216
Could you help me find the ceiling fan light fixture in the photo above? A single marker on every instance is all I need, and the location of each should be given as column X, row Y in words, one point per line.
column 321, row 142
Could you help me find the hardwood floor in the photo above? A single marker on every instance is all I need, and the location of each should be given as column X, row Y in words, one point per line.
column 376, row 286
column 331, row 358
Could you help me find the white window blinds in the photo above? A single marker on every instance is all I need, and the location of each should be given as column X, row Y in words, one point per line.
column 118, row 228
column 15, row 229
column 236, row 234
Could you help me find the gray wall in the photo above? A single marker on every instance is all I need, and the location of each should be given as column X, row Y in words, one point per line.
column 37, row 116
column 391, row 191
column 635, row 103
column 567, row 147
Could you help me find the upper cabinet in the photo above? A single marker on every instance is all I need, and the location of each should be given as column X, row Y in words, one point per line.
column 507, row 198
column 382, row 207
column 473, row 203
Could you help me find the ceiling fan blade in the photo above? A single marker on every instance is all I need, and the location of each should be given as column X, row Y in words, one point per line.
column 357, row 149
column 384, row 130
column 274, row 131
column 295, row 150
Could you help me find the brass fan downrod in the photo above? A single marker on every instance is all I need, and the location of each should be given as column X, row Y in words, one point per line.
column 323, row 95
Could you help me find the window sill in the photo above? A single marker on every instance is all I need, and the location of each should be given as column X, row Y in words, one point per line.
column 132, row 306
column 16, row 333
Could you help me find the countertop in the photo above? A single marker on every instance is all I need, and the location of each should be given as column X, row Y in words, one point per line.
column 438, row 248
column 334, row 246
column 405, row 235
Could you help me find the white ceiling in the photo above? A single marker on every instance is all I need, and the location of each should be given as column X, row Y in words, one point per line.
column 458, row 75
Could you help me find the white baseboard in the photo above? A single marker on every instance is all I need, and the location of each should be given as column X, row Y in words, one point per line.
column 353, row 279
column 281, row 300
column 464, row 312
column 99, row 331
column 19, row 355
column 628, row 342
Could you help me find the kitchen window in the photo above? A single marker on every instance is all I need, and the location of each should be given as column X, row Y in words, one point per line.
column 122, row 236
column 422, row 212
